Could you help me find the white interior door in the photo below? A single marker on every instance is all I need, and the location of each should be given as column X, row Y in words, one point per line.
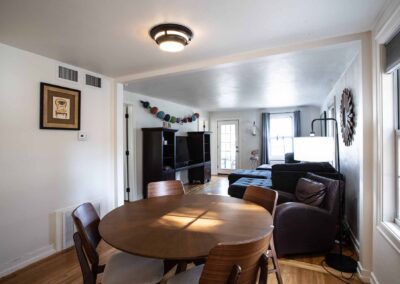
column 228, row 147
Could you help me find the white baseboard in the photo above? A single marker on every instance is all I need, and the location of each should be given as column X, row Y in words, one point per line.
column 373, row 279
column 23, row 261
column 363, row 274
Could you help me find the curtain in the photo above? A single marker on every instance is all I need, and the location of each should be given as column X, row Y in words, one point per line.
column 265, row 137
column 297, row 124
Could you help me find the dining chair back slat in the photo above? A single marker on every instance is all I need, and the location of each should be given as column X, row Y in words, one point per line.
column 236, row 262
column 164, row 188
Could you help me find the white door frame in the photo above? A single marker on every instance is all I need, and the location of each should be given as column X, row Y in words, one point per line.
column 219, row 170
column 132, row 152
column 117, row 197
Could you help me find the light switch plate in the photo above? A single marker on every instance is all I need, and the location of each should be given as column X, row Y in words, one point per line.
column 82, row 136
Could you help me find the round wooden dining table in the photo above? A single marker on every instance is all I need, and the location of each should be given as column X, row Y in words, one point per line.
column 183, row 227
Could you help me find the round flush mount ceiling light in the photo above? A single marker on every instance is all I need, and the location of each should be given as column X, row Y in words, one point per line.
column 171, row 37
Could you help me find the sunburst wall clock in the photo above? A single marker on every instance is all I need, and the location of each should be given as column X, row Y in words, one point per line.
column 347, row 117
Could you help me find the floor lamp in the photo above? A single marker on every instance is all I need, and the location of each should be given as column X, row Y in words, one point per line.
column 316, row 149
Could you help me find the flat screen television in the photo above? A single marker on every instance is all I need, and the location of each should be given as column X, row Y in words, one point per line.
column 182, row 151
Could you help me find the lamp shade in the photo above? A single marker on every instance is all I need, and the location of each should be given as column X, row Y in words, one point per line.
column 314, row 149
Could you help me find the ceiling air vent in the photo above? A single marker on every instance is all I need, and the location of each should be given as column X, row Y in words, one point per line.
column 93, row 81
column 67, row 74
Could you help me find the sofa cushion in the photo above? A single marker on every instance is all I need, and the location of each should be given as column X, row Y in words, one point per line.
column 333, row 187
column 264, row 167
column 238, row 188
column 321, row 167
column 284, row 197
column 285, row 176
column 310, row 192
column 289, row 158
column 237, row 174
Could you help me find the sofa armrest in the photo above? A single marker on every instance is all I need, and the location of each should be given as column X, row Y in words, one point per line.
column 298, row 211
column 301, row 228
column 284, row 197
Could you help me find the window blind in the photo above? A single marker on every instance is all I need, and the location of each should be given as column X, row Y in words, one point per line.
column 393, row 54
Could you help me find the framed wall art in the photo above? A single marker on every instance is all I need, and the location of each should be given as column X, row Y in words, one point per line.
column 347, row 117
column 60, row 107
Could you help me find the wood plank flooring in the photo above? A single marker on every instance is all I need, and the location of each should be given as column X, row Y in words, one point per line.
column 64, row 267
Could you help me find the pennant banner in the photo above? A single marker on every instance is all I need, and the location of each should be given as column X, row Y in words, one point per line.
column 167, row 117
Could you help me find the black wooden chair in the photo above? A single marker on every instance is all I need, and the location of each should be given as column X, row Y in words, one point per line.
column 121, row 267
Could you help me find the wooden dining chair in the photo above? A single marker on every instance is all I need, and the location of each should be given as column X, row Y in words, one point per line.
column 163, row 188
column 121, row 267
column 266, row 198
column 233, row 263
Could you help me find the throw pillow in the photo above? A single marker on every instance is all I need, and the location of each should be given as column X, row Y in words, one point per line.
column 310, row 192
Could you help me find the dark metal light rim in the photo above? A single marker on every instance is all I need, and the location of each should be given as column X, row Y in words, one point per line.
column 175, row 38
column 175, row 27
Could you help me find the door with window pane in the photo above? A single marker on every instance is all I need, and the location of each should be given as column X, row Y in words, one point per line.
column 228, row 148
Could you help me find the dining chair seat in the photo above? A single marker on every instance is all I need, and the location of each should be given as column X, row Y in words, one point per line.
column 189, row 276
column 124, row 268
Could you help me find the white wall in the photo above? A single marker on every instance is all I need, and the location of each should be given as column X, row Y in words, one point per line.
column 350, row 155
column 142, row 118
column 357, row 160
column 248, row 142
column 45, row 170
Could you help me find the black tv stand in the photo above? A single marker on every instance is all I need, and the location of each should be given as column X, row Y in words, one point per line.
column 159, row 156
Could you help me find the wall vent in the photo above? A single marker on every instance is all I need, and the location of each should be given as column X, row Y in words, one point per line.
column 67, row 74
column 93, row 81
column 65, row 227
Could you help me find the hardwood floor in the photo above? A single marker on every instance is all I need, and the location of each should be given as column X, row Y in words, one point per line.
column 64, row 267
column 218, row 185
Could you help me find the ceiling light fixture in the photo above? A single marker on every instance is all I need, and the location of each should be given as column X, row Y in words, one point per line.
column 171, row 37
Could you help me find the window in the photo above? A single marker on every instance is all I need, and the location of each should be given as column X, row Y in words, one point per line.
column 396, row 81
column 397, row 94
column 388, row 169
column 281, row 132
column 386, row 111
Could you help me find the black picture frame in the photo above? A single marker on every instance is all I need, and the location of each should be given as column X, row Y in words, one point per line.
column 67, row 116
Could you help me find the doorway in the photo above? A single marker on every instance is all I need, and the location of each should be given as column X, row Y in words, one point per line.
column 228, row 146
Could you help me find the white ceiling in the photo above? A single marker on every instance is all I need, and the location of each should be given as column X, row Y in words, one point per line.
column 111, row 37
column 285, row 80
